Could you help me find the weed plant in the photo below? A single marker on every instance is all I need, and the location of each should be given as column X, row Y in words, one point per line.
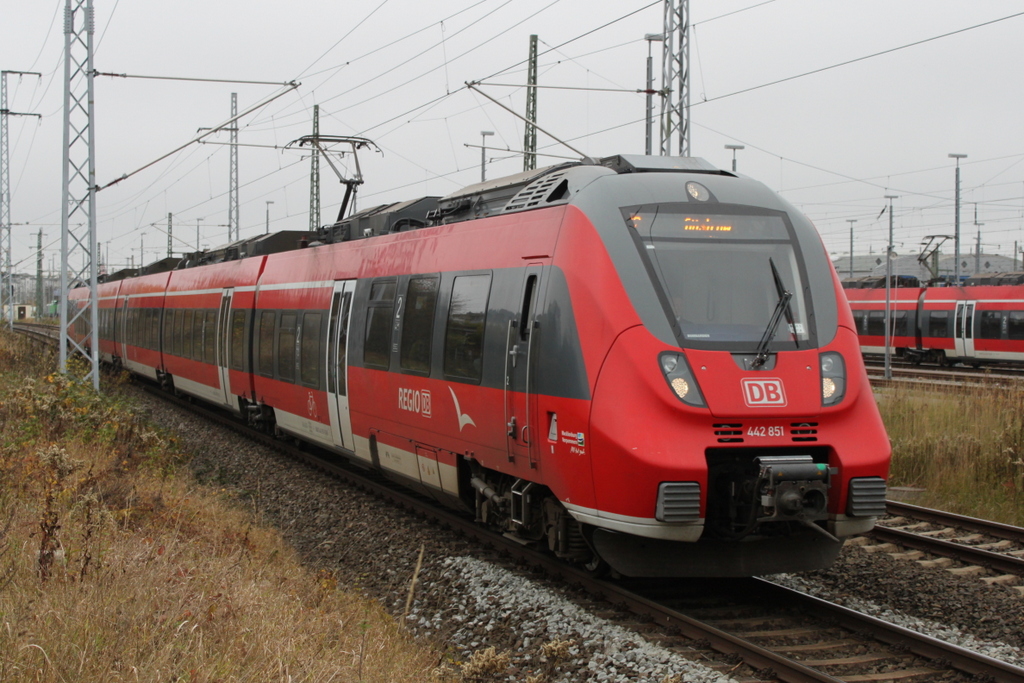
column 964, row 445
column 115, row 566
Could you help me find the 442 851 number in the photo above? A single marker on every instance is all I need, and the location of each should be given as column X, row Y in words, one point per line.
column 772, row 430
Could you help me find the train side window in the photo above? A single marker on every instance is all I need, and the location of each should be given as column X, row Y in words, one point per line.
column 464, row 334
column 238, row 340
column 876, row 323
column 286, row 347
column 197, row 335
column 1015, row 325
column 899, row 323
column 186, row 335
column 177, row 340
column 115, row 333
column 991, row 325
column 169, row 316
column 418, row 325
column 154, row 328
column 210, row 337
column 265, row 359
column 858, row 320
column 309, row 356
column 379, row 309
column 938, row 324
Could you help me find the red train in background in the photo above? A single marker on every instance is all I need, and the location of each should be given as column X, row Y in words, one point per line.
column 979, row 323
column 641, row 363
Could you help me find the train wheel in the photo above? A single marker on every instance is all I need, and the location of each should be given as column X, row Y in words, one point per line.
column 597, row 567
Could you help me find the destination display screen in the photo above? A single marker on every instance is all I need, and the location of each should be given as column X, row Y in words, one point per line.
column 662, row 223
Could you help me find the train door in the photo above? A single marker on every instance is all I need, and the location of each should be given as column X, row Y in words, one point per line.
column 224, row 345
column 519, row 404
column 123, row 331
column 963, row 336
column 337, row 364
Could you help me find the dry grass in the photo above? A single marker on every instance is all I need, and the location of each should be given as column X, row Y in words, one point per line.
column 114, row 566
column 965, row 445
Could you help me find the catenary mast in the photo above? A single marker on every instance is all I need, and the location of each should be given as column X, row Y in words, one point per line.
column 78, row 206
column 675, row 78
column 6, row 277
column 530, row 136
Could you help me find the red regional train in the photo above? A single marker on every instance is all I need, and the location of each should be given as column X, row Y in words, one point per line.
column 641, row 363
column 981, row 322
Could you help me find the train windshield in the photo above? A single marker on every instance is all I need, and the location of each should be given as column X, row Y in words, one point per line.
column 723, row 274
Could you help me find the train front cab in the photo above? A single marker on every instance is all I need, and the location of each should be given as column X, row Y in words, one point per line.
column 709, row 458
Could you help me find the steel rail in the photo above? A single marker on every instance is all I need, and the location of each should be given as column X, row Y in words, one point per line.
column 997, row 529
column 1007, row 564
column 960, row 658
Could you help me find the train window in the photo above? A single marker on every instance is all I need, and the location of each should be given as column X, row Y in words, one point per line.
column 899, row 322
column 286, row 347
column 525, row 316
column 342, row 360
column 937, row 324
column 177, row 338
column 377, row 344
column 155, row 318
column 876, row 323
column 859, row 318
column 169, row 316
column 238, row 340
column 1015, row 325
column 210, row 337
column 991, row 325
column 464, row 335
column 309, row 357
column 418, row 325
column 723, row 274
column 186, row 335
column 266, row 342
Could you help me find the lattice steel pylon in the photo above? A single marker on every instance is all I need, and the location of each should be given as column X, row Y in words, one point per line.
column 675, row 78
column 78, row 206
column 530, row 136
column 314, row 176
column 6, row 281
column 233, row 175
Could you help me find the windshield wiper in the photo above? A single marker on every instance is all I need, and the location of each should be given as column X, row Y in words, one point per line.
column 781, row 307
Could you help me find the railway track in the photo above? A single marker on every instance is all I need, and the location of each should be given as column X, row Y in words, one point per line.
column 959, row 376
column 992, row 551
column 775, row 633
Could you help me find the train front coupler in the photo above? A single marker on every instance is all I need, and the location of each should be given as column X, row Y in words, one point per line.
column 793, row 488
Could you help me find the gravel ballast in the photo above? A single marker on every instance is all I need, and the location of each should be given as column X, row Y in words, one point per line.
column 471, row 603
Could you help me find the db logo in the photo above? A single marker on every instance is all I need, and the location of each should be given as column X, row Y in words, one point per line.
column 763, row 392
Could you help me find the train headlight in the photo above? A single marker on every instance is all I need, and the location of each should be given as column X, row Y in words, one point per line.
column 833, row 378
column 680, row 379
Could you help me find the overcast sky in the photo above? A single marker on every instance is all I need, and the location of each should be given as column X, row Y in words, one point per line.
column 859, row 125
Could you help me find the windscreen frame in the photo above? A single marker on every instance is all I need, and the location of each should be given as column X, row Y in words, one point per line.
column 641, row 239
